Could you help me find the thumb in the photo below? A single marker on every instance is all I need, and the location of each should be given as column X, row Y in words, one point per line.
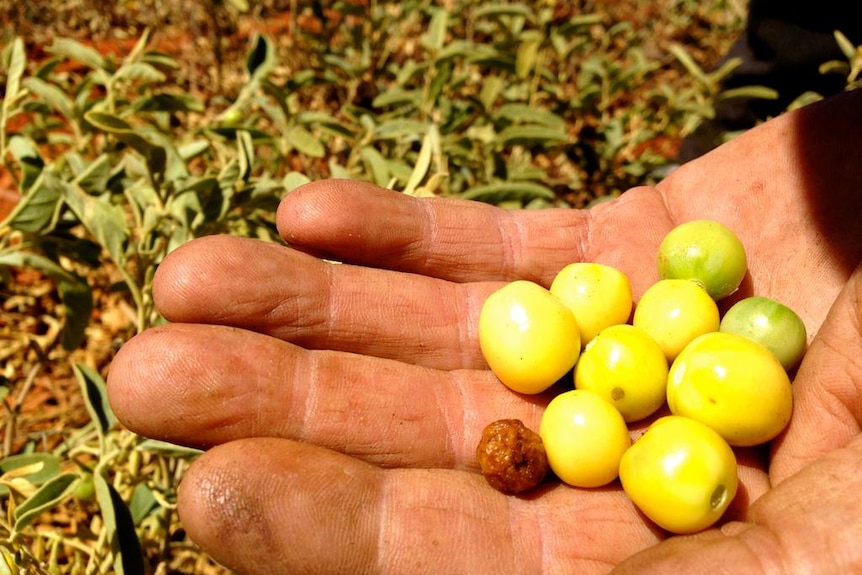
column 827, row 390
column 808, row 524
column 809, row 521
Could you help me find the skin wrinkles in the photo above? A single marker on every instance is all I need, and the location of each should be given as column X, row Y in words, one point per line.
column 381, row 409
column 609, row 240
column 431, row 236
column 514, row 237
column 231, row 509
column 394, row 245
column 455, row 420
column 468, row 328
column 829, row 401
column 315, row 411
column 220, row 497
column 336, row 311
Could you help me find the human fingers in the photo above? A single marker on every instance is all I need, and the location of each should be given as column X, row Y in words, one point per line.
column 298, row 298
column 203, row 385
column 468, row 241
column 815, row 500
column 809, row 523
column 787, row 188
column 827, row 410
column 790, row 190
column 268, row 506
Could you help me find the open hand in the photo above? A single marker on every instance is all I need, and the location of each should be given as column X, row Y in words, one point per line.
column 341, row 403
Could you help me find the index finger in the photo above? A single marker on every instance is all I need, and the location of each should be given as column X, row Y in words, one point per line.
column 461, row 240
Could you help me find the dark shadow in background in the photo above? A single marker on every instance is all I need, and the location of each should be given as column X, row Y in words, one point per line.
column 782, row 48
column 829, row 143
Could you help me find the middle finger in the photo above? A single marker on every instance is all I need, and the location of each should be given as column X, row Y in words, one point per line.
column 298, row 298
column 253, row 385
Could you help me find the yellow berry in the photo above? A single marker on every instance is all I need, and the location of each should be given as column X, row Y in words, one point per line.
column 584, row 437
column 528, row 337
column 626, row 367
column 674, row 312
column 599, row 295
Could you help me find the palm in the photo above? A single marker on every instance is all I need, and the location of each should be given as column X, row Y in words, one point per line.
column 381, row 364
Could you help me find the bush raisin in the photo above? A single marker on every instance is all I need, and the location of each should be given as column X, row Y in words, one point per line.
column 511, row 456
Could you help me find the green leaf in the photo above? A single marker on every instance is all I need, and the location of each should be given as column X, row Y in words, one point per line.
column 435, row 37
column 139, row 71
column 719, row 75
column 95, row 177
column 53, row 96
column 327, row 123
column 48, row 467
column 399, row 128
column 241, row 5
column 108, row 122
column 245, row 146
column 15, row 70
column 260, row 60
column 527, row 55
column 211, row 200
column 157, row 162
column 51, row 494
column 517, row 112
column 138, row 50
column 293, row 180
column 847, row 47
column 509, row 191
column 305, row 142
column 167, row 449
column 430, row 144
column 74, row 50
column 806, row 98
column 37, row 262
column 164, row 102
column 142, row 503
column 77, row 301
column 375, row 165
column 396, row 96
column 193, row 149
column 339, row 62
column 530, row 134
column 95, row 397
column 120, row 528
column 834, row 67
column 105, row 221
column 753, row 92
column 37, row 210
column 188, row 211
column 492, row 86
column 581, row 20
column 498, row 10
column 9, row 563
column 690, row 65
column 457, row 49
column 160, row 60
column 156, row 156
column 64, row 243
column 440, row 81
column 337, row 170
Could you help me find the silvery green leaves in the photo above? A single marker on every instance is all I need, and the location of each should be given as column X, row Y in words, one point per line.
column 36, row 483
column 107, row 172
column 98, row 163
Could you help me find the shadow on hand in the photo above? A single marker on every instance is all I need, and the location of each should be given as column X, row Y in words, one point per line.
column 829, row 136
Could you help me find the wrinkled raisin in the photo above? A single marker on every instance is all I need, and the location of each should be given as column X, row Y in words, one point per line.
column 511, row 456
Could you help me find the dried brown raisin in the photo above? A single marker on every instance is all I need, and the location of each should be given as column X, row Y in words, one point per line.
column 511, row 456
